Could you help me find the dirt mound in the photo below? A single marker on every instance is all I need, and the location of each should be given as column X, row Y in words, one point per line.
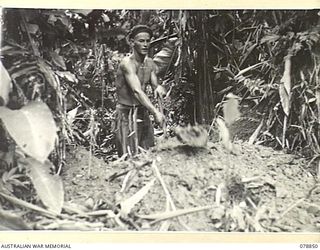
column 258, row 189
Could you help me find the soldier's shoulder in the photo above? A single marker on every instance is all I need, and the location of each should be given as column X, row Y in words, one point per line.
column 126, row 63
column 125, row 60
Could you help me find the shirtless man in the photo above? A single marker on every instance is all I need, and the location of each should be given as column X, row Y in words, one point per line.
column 134, row 128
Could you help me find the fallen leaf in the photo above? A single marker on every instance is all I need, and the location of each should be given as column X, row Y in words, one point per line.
column 255, row 134
column 128, row 204
column 220, row 189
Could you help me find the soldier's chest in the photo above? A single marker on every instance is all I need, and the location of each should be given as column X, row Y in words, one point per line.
column 144, row 73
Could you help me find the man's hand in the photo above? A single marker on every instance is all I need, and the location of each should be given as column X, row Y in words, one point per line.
column 160, row 118
column 160, row 91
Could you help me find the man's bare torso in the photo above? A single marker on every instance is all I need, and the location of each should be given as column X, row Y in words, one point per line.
column 143, row 71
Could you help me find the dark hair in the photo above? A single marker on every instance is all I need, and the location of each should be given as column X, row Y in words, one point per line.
column 138, row 29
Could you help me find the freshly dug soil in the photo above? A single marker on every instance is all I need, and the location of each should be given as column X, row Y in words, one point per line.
column 254, row 189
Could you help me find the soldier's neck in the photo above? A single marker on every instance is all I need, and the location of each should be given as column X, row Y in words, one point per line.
column 138, row 57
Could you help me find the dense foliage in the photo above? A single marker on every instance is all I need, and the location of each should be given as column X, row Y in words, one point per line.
column 270, row 58
column 68, row 58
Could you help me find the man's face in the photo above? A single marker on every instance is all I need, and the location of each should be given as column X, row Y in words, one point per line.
column 141, row 43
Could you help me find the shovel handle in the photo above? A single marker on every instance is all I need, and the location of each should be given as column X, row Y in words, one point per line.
column 164, row 125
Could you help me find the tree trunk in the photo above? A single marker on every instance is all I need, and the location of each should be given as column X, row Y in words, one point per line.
column 204, row 99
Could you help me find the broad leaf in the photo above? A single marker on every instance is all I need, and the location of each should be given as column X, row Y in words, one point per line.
column 49, row 187
column 164, row 57
column 230, row 109
column 32, row 128
column 5, row 85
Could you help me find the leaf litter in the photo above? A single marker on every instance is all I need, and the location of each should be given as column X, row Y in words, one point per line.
column 203, row 188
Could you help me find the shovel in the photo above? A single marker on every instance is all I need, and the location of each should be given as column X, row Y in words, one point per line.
column 164, row 125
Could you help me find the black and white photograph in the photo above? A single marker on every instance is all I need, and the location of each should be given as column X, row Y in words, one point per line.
column 160, row 120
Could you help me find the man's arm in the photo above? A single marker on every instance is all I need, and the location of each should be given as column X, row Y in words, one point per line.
column 135, row 85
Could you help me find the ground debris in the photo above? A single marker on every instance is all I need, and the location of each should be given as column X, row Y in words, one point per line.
column 259, row 184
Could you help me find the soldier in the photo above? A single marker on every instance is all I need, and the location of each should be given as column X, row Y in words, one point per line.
column 133, row 125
